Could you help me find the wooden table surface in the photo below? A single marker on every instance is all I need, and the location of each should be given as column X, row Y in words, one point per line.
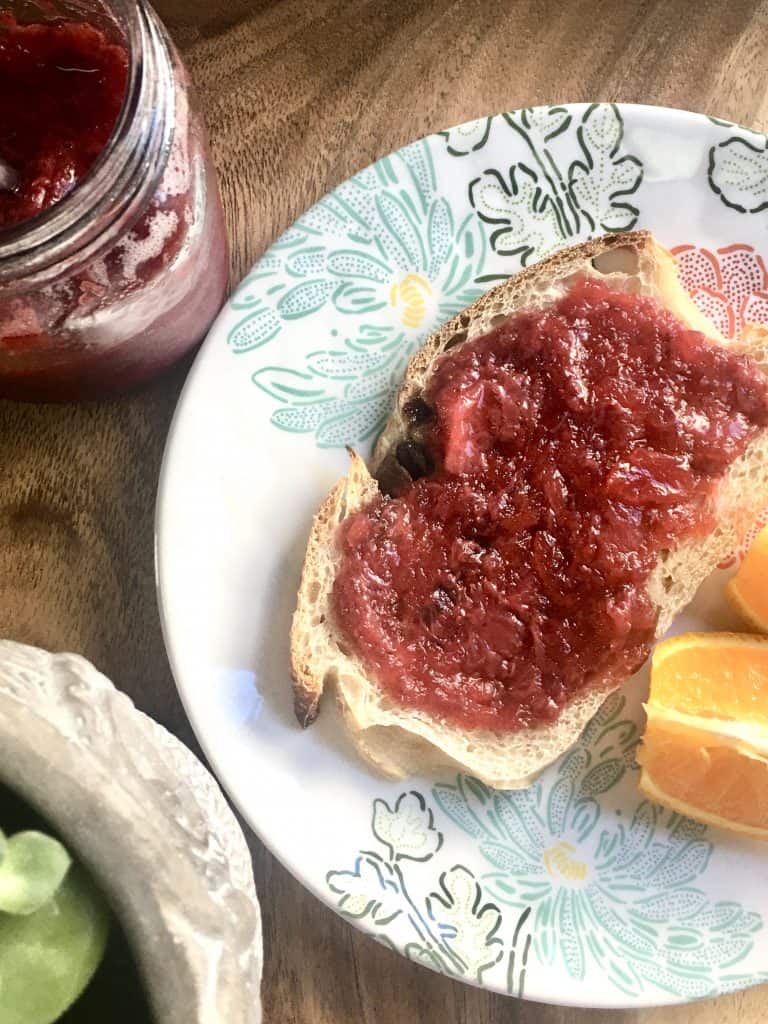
column 300, row 94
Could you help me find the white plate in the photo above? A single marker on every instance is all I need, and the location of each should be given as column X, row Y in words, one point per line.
column 577, row 890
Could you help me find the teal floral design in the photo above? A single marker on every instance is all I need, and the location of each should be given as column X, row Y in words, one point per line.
column 612, row 897
column 385, row 259
column 454, row 929
column 546, row 198
column 597, row 893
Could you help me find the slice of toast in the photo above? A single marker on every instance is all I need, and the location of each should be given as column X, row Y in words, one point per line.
column 401, row 741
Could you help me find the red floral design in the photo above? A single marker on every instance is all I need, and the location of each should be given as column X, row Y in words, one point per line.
column 760, row 521
column 729, row 285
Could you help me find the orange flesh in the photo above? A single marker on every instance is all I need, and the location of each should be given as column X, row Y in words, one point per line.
column 705, row 747
column 748, row 590
column 692, row 771
column 713, row 675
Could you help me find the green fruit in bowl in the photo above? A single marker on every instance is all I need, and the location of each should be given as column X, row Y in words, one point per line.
column 32, row 867
column 53, row 929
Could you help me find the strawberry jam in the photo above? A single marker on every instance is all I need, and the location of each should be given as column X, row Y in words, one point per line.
column 569, row 448
column 113, row 250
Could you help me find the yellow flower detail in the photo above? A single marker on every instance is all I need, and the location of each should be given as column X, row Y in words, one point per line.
column 410, row 296
column 560, row 863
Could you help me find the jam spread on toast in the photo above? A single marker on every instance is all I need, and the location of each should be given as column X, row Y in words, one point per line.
column 571, row 448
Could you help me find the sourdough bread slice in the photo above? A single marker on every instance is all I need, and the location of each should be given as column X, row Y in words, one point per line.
column 401, row 741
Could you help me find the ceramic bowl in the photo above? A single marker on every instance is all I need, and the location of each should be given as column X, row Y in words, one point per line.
column 149, row 822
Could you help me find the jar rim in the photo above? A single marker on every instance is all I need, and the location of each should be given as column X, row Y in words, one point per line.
column 143, row 128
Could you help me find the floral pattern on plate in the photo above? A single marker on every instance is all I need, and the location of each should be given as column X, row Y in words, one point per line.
column 738, row 170
column 388, row 254
column 547, row 198
column 454, row 929
column 614, row 893
column 728, row 284
column 597, row 891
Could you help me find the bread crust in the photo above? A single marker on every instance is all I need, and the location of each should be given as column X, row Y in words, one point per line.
column 400, row 741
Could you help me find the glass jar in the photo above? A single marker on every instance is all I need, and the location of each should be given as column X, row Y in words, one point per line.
column 124, row 274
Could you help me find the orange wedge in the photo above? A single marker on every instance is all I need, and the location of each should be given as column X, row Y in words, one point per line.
column 705, row 747
column 748, row 589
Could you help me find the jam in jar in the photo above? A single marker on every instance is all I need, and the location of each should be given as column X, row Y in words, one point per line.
column 113, row 253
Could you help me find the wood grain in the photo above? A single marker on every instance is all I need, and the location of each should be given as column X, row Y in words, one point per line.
column 300, row 94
